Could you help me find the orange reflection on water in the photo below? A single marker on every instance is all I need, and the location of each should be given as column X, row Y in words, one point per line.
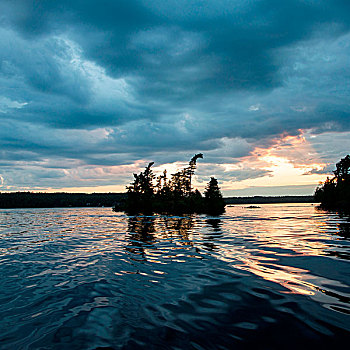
column 271, row 239
column 290, row 278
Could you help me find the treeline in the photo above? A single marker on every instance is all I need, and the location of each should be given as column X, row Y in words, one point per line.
column 334, row 193
column 270, row 199
column 56, row 200
column 149, row 194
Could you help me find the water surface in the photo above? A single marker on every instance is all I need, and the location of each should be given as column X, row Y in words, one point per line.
column 266, row 278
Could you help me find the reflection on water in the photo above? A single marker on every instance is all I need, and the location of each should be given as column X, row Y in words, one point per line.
column 89, row 278
column 141, row 229
column 344, row 229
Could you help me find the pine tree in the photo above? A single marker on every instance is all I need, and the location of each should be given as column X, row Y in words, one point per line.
column 214, row 201
column 334, row 193
column 140, row 192
column 191, row 169
column 172, row 196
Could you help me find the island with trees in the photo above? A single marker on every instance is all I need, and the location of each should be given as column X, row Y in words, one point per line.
column 334, row 193
column 149, row 194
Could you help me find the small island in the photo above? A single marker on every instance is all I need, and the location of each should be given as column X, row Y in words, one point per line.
column 334, row 193
column 149, row 194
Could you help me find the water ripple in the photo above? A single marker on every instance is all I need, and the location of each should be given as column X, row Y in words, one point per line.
column 91, row 278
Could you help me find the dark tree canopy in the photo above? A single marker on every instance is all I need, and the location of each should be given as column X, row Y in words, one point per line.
column 334, row 193
column 175, row 195
column 213, row 198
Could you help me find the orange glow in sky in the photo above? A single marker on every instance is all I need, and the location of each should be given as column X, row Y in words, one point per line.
column 289, row 161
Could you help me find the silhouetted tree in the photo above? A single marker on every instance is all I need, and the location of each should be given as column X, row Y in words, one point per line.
column 191, row 169
column 173, row 196
column 213, row 198
column 334, row 193
column 140, row 192
column 181, row 182
column 342, row 170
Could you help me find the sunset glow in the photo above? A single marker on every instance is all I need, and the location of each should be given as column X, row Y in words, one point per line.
column 85, row 101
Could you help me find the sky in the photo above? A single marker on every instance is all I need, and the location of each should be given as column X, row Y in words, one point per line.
column 91, row 91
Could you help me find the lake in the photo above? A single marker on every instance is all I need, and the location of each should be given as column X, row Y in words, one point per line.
column 271, row 277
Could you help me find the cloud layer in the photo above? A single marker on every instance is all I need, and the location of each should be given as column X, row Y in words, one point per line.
column 87, row 85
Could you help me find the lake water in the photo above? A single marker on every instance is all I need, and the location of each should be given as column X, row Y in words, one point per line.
column 274, row 277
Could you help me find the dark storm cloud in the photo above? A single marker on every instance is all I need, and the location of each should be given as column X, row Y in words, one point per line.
column 111, row 82
column 233, row 40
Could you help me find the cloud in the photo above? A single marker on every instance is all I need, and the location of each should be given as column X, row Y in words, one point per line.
column 6, row 104
column 114, row 83
column 239, row 174
column 328, row 170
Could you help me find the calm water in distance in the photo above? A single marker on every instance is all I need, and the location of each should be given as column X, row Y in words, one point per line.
column 274, row 277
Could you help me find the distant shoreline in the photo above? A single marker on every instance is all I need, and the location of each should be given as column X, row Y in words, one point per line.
column 269, row 199
column 12, row 200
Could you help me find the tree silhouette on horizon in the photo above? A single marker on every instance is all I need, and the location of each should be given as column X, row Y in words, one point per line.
column 175, row 195
column 334, row 193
